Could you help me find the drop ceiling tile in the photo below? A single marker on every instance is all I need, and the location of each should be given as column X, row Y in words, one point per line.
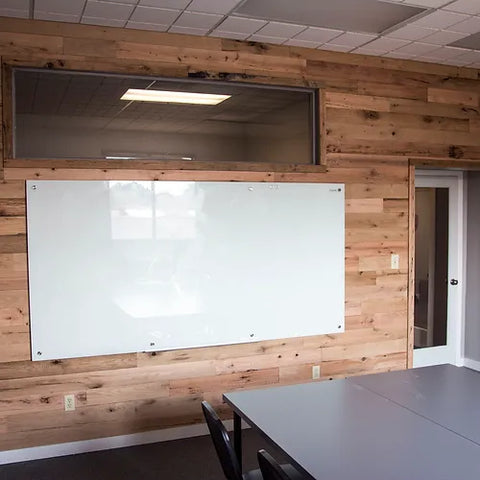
column 471, row 42
column 265, row 39
column 351, row 39
column 445, row 53
column 13, row 12
column 470, row 57
column 56, row 17
column 386, row 43
column 472, row 25
column 369, row 51
column 188, row 30
column 157, row 16
column 320, row 35
column 147, row 26
column 179, row 4
column 107, row 22
column 296, row 42
column 440, row 19
column 72, row 7
column 427, row 3
column 411, row 32
column 15, row 4
column 444, row 37
column 241, row 25
column 277, row 29
column 198, row 20
column 232, row 35
column 107, row 10
column 456, row 62
column 213, row 6
column 367, row 16
column 397, row 54
column 426, row 59
column 417, row 48
column 464, row 6
column 335, row 48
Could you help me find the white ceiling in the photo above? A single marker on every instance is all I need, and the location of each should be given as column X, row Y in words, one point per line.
column 425, row 37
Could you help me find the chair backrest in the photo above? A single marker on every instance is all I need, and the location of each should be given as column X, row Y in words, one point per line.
column 270, row 468
column 222, row 443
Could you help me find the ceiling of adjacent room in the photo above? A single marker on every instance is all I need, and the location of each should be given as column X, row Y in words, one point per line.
column 94, row 101
column 439, row 31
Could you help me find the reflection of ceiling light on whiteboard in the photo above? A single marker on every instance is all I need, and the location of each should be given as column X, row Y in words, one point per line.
column 165, row 96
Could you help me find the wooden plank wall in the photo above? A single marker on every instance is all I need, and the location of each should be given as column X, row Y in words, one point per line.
column 378, row 112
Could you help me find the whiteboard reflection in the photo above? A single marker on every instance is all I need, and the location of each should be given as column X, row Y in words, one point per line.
column 167, row 283
column 153, row 210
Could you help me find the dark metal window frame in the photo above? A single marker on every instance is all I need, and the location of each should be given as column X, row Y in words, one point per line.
column 314, row 98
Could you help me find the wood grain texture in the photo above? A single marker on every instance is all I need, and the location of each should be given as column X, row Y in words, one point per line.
column 441, row 95
column 129, row 393
column 6, row 136
column 377, row 113
column 411, row 265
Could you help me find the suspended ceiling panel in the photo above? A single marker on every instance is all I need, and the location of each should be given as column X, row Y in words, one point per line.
column 369, row 16
column 472, row 41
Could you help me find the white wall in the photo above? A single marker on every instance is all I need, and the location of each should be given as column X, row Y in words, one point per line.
column 37, row 141
column 472, row 305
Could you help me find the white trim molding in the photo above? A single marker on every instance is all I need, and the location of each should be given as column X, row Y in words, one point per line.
column 453, row 351
column 108, row 443
column 473, row 364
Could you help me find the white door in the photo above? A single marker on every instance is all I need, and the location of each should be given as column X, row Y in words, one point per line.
column 438, row 326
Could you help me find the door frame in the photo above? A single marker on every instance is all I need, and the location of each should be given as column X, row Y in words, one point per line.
column 458, row 329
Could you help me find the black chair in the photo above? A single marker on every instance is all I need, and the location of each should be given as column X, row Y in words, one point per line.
column 226, row 453
column 271, row 469
column 224, row 448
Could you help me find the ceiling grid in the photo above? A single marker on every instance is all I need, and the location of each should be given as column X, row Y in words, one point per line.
column 439, row 31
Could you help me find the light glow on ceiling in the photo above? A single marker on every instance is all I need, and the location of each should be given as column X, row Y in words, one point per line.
column 165, row 96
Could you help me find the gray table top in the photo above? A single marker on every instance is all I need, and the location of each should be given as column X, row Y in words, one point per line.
column 447, row 395
column 341, row 430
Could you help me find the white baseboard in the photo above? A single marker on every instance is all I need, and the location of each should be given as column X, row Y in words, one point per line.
column 473, row 364
column 70, row 448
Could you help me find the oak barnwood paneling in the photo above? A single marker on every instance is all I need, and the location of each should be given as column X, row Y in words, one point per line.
column 377, row 114
column 160, row 165
column 3, row 148
column 411, row 265
column 395, row 126
column 129, row 393
column 441, row 95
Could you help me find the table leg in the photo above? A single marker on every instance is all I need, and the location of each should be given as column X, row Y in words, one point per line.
column 237, row 437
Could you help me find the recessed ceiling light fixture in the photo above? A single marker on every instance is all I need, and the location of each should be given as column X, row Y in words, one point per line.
column 472, row 41
column 165, row 96
column 366, row 16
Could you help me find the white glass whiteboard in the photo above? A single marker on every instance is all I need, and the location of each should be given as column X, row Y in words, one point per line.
column 124, row 266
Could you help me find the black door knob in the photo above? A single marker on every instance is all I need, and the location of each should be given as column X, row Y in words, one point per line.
column 453, row 281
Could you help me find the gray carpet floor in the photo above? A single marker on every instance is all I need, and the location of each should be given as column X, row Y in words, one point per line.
column 187, row 459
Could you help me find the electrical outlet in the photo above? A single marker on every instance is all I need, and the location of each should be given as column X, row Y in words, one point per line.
column 395, row 261
column 315, row 372
column 69, row 401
